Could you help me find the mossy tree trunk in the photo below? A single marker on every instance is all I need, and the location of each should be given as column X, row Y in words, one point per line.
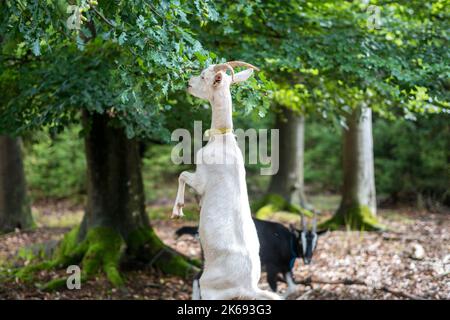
column 357, row 209
column 15, row 209
column 114, row 181
column 115, row 227
column 288, row 182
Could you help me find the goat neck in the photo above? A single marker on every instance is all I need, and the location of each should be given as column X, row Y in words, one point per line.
column 221, row 110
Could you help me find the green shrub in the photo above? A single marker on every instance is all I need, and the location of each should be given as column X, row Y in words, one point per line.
column 55, row 166
column 160, row 174
column 323, row 160
column 411, row 157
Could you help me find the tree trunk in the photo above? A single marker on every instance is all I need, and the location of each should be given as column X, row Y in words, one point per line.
column 114, row 181
column 15, row 209
column 288, row 182
column 358, row 204
column 115, row 227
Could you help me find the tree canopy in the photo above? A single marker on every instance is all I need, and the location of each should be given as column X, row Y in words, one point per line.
column 124, row 60
column 323, row 53
column 130, row 57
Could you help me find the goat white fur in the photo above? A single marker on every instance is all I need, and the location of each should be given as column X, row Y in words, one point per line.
column 228, row 235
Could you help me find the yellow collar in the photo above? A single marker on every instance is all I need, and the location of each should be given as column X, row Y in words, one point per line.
column 213, row 132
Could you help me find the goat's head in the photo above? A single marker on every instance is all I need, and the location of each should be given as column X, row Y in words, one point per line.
column 215, row 79
column 307, row 239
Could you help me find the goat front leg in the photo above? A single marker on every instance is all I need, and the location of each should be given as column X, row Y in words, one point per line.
column 184, row 178
column 292, row 285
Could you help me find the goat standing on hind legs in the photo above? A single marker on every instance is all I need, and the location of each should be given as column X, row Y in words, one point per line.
column 228, row 235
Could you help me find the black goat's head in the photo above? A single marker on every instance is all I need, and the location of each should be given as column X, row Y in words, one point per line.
column 307, row 239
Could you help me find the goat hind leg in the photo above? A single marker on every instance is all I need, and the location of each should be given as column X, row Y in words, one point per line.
column 266, row 295
column 196, row 290
column 196, row 295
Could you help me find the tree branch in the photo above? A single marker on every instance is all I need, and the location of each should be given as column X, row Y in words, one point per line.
column 103, row 17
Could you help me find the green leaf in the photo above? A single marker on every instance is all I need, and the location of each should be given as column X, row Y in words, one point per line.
column 36, row 48
column 122, row 38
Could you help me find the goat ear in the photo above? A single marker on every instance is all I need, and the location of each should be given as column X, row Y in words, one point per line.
column 293, row 230
column 217, row 79
column 243, row 75
column 321, row 232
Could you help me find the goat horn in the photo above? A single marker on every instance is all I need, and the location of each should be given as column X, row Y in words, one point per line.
column 303, row 221
column 224, row 67
column 242, row 64
column 314, row 222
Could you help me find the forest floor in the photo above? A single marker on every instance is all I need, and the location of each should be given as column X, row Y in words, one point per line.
column 412, row 260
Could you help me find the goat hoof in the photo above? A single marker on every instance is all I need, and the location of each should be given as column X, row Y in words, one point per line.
column 177, row 212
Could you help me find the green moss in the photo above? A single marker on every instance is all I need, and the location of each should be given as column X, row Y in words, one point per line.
column 35, row 263
column 26, row 273
column 104, row 249
column 266, row 211
column 178, row 266
column 191, row 213
column 101, row 251
column 272, row 203
column 276, row 200
column 28, row 254
column 33, row 225
column 143, row 240
column 54, row 284
column 196, row 262
column 143, row 243
column 57, row 283
column 358, row 217
column 68, row 245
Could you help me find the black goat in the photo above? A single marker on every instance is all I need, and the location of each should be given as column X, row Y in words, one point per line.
column 193, row 231
column 279, row 248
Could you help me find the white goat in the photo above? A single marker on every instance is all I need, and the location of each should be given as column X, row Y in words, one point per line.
column 228, row 235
